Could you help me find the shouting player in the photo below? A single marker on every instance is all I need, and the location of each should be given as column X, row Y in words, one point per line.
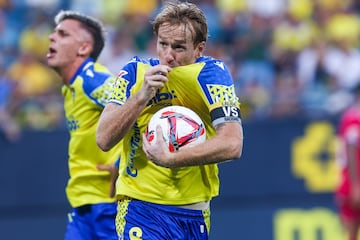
column 75, row 45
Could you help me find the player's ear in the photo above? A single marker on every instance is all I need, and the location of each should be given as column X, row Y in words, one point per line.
column 85, row 49
column 200, row 48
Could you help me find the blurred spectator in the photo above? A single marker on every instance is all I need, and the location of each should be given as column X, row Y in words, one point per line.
column 33, row 78
column 254, row 74
column 118, row 51
column 315, row 82
column 270, row 9
column 8, row 39
column 314, row 43
column 290, row 36
column 8, row 124
column 90, row 7
column 252, row 49
column 137, row 24
column 47, row 5
column 236, row 6
column 285, row 98
column 37, row 88
column 343, row 59
column 33, row 38
column 5, row 4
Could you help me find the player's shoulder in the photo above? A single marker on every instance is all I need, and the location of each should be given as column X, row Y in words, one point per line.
column 93, row 75
column 91, row 69
column 214, row 70
column 211, row 62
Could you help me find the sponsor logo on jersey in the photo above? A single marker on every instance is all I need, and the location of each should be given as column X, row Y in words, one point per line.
column 162, row 96
column 220, row 65
column 134, row 145
column 72, row 124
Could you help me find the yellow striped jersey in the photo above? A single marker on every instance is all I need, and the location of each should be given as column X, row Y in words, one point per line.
column 207, row 88
column 84, row 100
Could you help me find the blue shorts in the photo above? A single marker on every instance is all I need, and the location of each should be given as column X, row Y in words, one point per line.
column 142, row 220
column 90, row 222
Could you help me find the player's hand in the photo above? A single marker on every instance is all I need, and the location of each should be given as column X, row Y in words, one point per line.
column 114, row 173
column 158, row 152
column 154, row 79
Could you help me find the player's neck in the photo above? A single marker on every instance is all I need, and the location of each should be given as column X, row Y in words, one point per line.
column 67, row 73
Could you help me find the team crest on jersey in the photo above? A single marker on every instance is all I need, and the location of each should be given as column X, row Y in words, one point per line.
column 90, row 73
column 220, row 65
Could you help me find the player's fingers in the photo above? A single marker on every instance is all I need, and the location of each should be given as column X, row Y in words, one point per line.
column 158, row 70
column 145, row 144
column 159, row 135
column 156, row 79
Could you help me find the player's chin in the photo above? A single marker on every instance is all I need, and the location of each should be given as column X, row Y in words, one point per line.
column 51, row 62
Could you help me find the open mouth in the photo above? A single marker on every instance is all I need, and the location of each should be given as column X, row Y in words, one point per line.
column 51, row 53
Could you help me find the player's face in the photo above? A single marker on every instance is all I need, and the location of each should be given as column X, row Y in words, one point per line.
column 175, row 45
column 66, row 44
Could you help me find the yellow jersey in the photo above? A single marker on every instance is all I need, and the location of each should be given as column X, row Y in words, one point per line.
column 84, row 100
column 207, row 88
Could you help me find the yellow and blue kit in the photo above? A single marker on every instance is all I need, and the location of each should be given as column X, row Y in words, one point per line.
column 88, row 189
column 207, row 88
column 84, row 100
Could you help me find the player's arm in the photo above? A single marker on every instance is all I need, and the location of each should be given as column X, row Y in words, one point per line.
column 226, row 145
column 116, row 120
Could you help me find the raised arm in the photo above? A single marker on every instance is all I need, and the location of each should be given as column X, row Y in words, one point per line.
column 116, row 120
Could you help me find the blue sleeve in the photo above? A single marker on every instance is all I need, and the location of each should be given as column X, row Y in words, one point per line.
column 98, row 86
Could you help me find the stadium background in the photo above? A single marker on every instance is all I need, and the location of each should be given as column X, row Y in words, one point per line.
column 281, row 188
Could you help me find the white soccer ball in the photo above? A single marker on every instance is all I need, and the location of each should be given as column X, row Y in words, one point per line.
column 181, row 127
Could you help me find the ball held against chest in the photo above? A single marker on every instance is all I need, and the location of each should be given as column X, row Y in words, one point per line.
column 181, row 127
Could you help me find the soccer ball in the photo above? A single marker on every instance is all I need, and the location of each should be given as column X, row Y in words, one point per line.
column 181, row 127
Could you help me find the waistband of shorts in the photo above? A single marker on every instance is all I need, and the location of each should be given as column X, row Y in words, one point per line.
column 193, row 206
column 84, row 209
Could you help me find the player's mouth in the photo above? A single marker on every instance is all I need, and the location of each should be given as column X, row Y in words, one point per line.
column 51, row 53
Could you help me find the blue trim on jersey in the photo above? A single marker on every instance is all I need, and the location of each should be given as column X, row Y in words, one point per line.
column 131, row 68
column 92, row 80
column 149, row 61
column 80, row 69
column 214, row 72
column 117, row 163
column 90, row 83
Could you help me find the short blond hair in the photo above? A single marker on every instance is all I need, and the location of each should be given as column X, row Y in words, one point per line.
column 176, row 13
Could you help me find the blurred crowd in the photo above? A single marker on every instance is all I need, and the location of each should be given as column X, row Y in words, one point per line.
column 289, row 58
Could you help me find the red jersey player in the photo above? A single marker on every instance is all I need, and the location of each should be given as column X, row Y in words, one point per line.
column 348, row 191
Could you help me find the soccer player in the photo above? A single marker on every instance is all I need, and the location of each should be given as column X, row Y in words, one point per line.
column 348, row 192
column 75, row 44
column 163, row 194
